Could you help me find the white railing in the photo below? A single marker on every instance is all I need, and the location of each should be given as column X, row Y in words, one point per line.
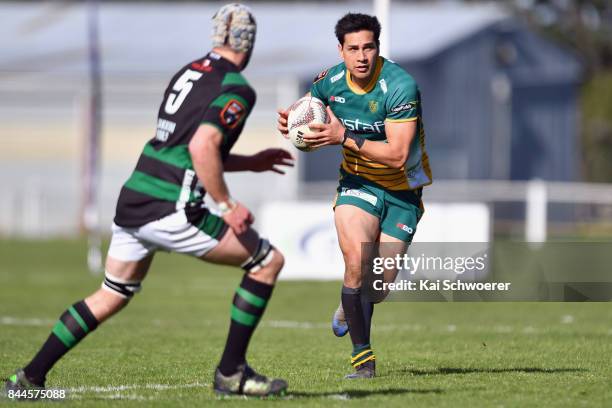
column 35, row 208
column 536, row 194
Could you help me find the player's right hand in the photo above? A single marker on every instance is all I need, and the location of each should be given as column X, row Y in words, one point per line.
column 283, row 116
column 239, row 219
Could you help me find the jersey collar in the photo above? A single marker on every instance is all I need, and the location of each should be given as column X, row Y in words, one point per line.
column 359, row 90
column 222, row 62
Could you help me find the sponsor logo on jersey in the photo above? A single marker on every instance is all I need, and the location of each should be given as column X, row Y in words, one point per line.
column 383, row 85
column 203, row 66
column 352, row 192
column 404, row 227
column 320, row 76
column 359, row 126
column 338, row 99
column 404, row 107
column 232, row 113
column 336, row 77
column 164, row 129
column 373, row 106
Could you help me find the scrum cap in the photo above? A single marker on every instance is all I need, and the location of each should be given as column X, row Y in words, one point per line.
column 234, row 26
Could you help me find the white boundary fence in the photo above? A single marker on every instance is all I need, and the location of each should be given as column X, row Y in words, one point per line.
column 536, row 194
column 35, row 208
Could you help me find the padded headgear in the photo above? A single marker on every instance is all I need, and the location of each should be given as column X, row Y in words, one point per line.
column 234, row 26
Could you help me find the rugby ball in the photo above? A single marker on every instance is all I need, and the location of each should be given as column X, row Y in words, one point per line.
column 302, row 113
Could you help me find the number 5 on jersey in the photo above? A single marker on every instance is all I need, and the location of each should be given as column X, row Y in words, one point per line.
column 182, row 86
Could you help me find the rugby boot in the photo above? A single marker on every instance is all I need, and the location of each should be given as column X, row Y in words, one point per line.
column 365, row 370
column 339, row 325
column 247, row 382
column 19, row 383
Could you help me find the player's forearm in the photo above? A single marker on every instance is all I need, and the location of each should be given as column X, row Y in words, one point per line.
column 237, row 162
column 380, row 152
column 209, row 169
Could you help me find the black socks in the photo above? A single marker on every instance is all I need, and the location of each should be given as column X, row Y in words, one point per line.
column 247, row 308
column 74, row 324
column 354, row 314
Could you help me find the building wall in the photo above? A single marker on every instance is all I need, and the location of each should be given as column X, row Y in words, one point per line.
column 544, row 137
column 457, row 106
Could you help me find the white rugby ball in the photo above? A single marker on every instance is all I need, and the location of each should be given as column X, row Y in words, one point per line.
column 303, row 112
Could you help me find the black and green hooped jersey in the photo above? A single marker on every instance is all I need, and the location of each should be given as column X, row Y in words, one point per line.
column 391, row 96
column 209, row 90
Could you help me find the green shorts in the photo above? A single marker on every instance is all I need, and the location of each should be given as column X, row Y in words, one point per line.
column 399, row 212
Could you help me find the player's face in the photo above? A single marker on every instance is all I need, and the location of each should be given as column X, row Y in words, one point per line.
column 359, row 53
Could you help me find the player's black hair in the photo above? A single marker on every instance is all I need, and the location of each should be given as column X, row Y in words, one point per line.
column 354, row 22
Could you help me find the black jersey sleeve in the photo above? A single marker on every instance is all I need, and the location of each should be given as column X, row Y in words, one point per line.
column 228, row 111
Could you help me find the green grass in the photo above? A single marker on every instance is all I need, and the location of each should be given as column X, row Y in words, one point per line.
column 429, row 354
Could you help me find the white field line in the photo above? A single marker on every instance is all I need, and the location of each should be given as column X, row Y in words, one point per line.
column 116, row 396
column 118, row 388
column 16, row 321
column 292, row 324
column 118, row 392
column 276, row 324
column 449, row 328
column 341, row 397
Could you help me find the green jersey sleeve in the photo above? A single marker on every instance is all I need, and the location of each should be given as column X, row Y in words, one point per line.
column 318, row 89
column 404, row 102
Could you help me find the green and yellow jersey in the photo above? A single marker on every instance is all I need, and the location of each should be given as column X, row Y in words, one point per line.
column 391, row 96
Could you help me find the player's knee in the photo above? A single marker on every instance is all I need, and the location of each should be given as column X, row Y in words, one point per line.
column 272, row 269
column 121, row 288
column 278, row 261
column 266, row 260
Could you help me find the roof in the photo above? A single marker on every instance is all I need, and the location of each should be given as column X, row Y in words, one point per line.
column 292, row 38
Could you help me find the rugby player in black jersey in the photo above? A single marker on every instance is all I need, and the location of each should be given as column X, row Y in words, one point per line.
column 161, row 207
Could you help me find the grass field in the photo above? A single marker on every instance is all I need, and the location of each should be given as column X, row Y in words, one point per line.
column 162, row 350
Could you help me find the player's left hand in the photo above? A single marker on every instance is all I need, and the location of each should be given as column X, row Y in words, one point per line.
column 269, row 159
column 330, row 133
column 283, row 117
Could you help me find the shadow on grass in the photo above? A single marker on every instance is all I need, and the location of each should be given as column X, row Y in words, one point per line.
column 453, row 370
column 357, row 394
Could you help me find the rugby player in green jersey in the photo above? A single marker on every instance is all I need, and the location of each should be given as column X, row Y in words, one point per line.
column 161, row 207
column 375, row 115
